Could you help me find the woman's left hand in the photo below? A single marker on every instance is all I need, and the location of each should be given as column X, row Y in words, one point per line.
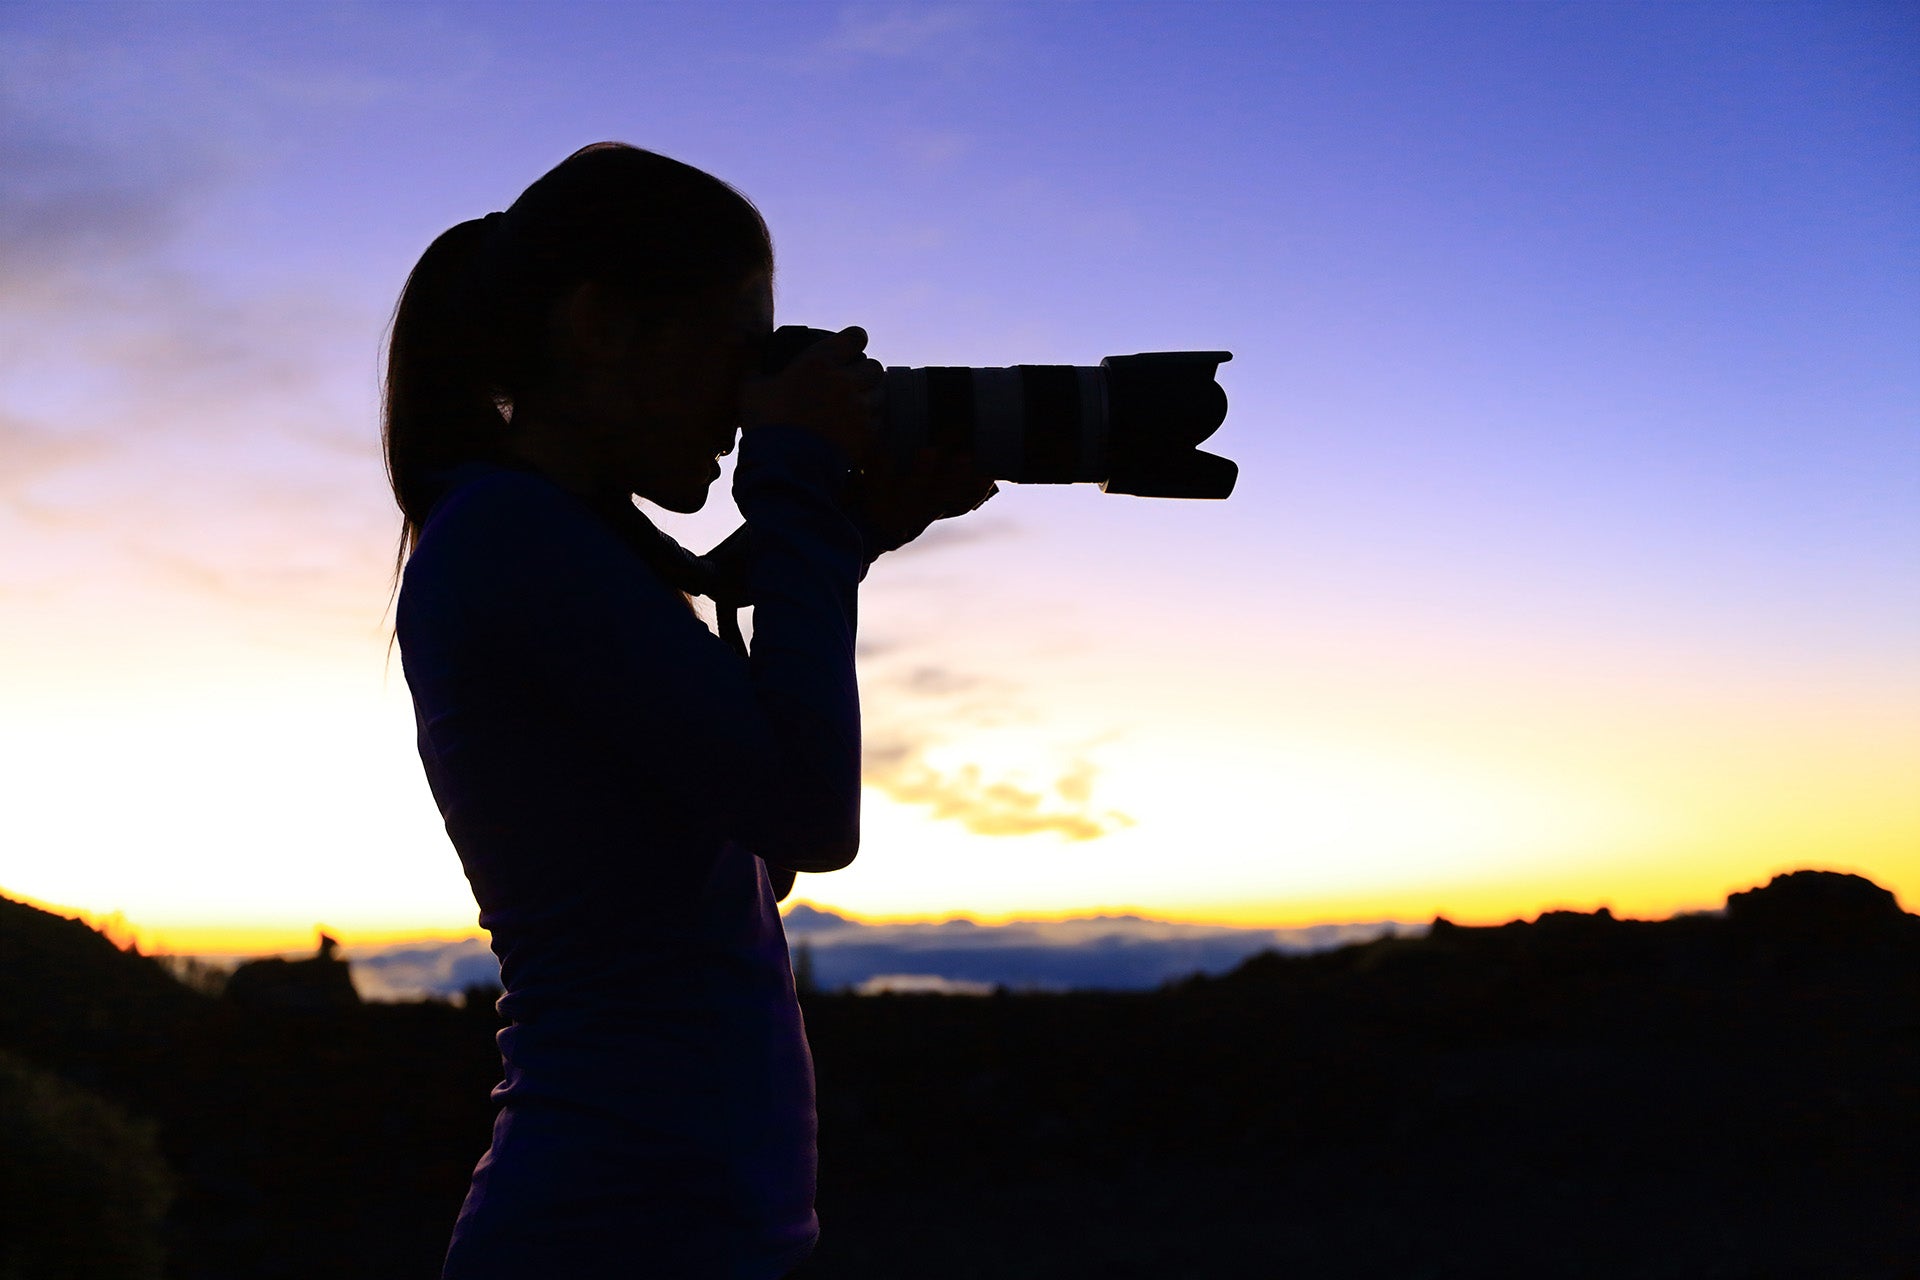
column 938, row 484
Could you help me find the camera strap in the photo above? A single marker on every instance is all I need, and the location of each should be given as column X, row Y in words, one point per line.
column 720, row 575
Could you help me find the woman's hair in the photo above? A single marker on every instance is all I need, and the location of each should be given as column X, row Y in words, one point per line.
column 471, row 333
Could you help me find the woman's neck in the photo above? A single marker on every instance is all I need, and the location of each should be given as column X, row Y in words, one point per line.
column 558, row 447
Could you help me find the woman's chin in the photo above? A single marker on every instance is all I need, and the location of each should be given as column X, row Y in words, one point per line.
column 684, row 499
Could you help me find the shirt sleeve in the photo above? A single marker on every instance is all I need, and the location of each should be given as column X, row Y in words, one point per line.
column 804, row 581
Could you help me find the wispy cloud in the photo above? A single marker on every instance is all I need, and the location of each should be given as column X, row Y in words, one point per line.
column 990, row 808
column 937, row 681
column 28, row 452
column 946, row 534
column 157, row 425
column 948, row 41
column 901, row 753
column 933, row 150
column 898, row 31
column 79, row 196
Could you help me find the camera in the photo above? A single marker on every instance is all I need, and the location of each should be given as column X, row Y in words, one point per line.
column 1131, row 424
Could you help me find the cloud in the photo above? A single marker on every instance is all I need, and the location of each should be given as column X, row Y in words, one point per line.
column 946, row 534
column 921, row 984
column 28, row 452
column 929, row 708
column 1076, row 785
column 159, row 425
column 200, row 435
column 64, row 203
column 963, row 699
column 946, row 41
column 985, row 807
column 417, row 970
column 936, row 681
column 898, row 764
column 897, row 31
column 934, row 149
column 95, row 176
column 1099, row 952
column 953, row 956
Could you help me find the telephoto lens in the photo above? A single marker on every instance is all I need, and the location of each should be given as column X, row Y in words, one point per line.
column 1131, row 425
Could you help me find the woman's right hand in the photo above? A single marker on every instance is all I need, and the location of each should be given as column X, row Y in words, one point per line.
column 832, row 389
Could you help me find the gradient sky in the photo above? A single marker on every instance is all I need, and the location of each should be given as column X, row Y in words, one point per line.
column 1576, row 389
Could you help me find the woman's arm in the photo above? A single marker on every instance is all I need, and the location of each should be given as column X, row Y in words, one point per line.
column 570, row 693
column 593, row 706
column 803, row 579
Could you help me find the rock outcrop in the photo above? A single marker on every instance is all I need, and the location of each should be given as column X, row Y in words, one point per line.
column 323, row 982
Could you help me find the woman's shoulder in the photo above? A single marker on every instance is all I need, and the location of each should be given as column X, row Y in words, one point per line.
column 499, row 516
column 479, row 497
column 494, row 527
column 502, row 539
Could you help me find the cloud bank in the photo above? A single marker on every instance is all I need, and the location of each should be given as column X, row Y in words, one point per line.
column 1115, row 953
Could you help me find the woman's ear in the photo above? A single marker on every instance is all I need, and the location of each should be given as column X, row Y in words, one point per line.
column 593, row 328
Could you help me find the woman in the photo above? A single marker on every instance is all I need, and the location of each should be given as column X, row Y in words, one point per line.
column 628, row 794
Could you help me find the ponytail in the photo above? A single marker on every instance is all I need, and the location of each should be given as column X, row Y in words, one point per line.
column 443, row 404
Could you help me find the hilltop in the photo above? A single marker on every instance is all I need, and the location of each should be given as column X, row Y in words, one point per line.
column 1575, row 1096
column 66, row 991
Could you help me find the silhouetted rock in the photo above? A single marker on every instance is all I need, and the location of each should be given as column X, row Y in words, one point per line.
column 1576, row 924
column 1801, row 900
column 1820, row 919
column 324, row 982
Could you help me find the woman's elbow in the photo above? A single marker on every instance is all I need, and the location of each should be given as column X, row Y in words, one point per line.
column 827, row 852
column 813, row 832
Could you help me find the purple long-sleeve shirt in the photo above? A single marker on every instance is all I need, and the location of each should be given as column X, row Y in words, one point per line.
column 616, row 781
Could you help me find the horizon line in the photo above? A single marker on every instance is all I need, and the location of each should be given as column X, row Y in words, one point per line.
column 270, row 939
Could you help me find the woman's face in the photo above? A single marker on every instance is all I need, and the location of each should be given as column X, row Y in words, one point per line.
column 665, row 403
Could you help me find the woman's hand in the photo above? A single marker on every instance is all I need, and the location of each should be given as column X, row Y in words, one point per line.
column 831, row 388
column 900, row 504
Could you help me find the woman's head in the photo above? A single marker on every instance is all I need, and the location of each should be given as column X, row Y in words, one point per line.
column 600, row 325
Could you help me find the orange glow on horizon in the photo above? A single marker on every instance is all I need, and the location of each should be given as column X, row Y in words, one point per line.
column 1655, row 898
column 1652, row 897
column 231, row 939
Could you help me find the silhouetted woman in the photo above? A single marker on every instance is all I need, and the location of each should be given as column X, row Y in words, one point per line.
column 629, row 794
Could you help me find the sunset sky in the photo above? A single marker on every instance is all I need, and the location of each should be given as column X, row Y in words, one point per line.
column 1575, row 385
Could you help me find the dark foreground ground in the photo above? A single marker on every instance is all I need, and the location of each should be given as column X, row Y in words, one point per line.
column 1576, row 1097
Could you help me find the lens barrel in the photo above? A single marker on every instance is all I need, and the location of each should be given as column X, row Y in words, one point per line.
column 1131, row 425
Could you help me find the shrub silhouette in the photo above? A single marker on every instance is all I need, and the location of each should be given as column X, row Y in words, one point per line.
column 73, row 1000
column 82, row 1187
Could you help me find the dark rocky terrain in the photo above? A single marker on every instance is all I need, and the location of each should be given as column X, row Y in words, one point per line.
column 1734, row 1095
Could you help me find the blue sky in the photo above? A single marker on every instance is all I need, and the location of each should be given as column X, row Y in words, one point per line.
column 1574, row 388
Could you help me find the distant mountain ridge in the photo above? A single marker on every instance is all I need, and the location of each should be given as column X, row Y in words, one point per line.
column 1094, row 953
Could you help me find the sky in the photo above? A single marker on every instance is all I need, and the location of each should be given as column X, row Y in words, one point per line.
column 1575, row 558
